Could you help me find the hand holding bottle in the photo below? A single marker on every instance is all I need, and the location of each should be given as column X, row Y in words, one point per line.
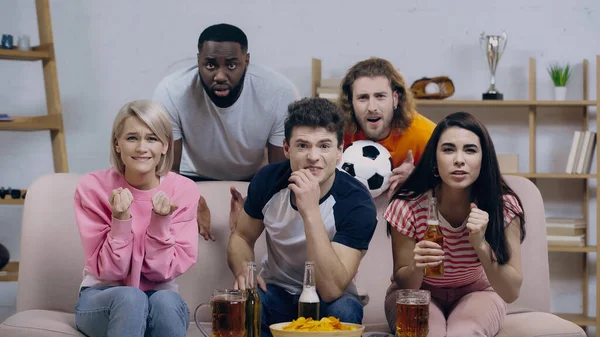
column 240, row 280
column 427, row 254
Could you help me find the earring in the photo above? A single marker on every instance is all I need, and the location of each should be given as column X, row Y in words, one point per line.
column 435, row 172
column 395, row 107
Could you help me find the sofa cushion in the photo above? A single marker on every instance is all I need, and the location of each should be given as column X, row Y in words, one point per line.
column 538, row 324
column 42, row 323
column 46, row 323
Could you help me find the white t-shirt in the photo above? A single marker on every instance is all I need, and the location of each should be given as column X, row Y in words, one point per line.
column 226, row 143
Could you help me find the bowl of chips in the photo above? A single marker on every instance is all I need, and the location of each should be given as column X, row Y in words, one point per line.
column 307, row 327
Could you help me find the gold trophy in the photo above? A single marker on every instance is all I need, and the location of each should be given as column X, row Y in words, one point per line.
column 493, row 47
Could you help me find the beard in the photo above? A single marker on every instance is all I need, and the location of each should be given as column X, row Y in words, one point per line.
column 227, row 101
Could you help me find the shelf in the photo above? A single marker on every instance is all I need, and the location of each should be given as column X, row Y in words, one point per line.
column 572, row 249
column 552, row 175
column 10, row 201
column 10, row 272
column 34, row 123
column 578, row 319
column 493, row 103
column 35, row 54
column 508, row 103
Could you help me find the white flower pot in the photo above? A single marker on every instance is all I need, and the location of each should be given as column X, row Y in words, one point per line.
column 560, row 93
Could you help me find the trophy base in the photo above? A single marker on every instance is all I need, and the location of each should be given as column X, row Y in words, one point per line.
column 492, row 96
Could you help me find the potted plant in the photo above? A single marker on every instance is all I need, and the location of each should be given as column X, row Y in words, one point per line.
column 560, row 76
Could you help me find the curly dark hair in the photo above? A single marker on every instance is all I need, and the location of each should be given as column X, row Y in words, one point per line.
column 373, row 67
column 315, row 112
column 223, row 32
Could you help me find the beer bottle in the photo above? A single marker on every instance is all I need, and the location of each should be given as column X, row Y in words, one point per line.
column 253, row 304
column 308, row 304
column 434, row 233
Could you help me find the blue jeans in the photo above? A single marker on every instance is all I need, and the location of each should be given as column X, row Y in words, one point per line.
column 280, row 306
column 128, row 311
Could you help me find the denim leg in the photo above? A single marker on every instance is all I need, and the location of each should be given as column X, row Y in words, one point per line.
column 112, row 312
column 168, row 315
column 277, row 306
column 347, row 308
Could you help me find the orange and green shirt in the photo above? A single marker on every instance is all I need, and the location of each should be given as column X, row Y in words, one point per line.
column 414, row 138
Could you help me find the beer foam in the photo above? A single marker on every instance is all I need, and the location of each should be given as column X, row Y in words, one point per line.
column 433, row 222
column 309, row 295
column 412, row 301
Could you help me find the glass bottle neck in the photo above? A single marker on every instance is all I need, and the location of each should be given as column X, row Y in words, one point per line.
column 251, row 276
column 309, row 275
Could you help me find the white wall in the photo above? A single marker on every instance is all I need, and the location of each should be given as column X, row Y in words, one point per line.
column 110, row 52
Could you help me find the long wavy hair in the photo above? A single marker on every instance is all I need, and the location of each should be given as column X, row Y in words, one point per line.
column 373, row 67
column 488, row 189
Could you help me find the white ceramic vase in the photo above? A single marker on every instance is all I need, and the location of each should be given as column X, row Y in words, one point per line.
column 560, row 93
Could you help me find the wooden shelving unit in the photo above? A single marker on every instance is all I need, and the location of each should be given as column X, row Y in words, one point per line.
column 37, row 53
column 10, row 272
column 52, row 120
column 12, row 201
column 33, row 123
column 500, row 104
column 530, row 107
column 571, row 249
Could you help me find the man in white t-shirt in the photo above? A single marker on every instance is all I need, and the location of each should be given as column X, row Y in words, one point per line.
column 225, row 112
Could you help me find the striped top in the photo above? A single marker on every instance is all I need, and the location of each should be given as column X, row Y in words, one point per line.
column 461, row 264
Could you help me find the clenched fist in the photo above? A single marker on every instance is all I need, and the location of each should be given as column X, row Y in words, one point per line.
column 161, row 204
column 477, row 225
column 120, row 200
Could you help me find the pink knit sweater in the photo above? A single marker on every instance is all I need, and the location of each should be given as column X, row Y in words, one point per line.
column 148, row 251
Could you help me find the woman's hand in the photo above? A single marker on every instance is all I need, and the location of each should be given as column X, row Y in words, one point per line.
column 427, row 254
column 476, row 225
column 120, row 200
column 161, row 204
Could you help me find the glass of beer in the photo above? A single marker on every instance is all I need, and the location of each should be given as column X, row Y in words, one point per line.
column 412, row 313
column 228, row 311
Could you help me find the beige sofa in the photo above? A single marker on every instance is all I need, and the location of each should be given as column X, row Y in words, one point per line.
column 52, row 262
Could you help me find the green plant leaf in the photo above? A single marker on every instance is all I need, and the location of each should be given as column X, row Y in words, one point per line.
column 560, row 75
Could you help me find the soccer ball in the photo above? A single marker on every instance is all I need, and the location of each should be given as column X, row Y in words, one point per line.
column 370, row 163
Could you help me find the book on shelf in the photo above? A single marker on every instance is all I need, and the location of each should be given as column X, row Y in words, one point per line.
column 329, row 88
column 566, row 240
column 328, row 92
column 581, row 153
column 564, row 229
column 568, row 222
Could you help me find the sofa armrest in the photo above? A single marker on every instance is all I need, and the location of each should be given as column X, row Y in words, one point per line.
column 538, row 324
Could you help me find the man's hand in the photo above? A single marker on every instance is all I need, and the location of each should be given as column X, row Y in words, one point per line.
column 240, row 281
column 237, row 203
column 306, row 189
column 204, row 219
column 400, row 173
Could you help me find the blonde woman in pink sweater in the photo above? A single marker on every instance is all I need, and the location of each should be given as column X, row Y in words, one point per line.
column 138, row 228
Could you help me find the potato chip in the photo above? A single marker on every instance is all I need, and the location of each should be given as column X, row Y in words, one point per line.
column 325, row 324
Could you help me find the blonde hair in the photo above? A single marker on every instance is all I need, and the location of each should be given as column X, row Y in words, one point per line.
column 372, row 67
column 156, row 119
